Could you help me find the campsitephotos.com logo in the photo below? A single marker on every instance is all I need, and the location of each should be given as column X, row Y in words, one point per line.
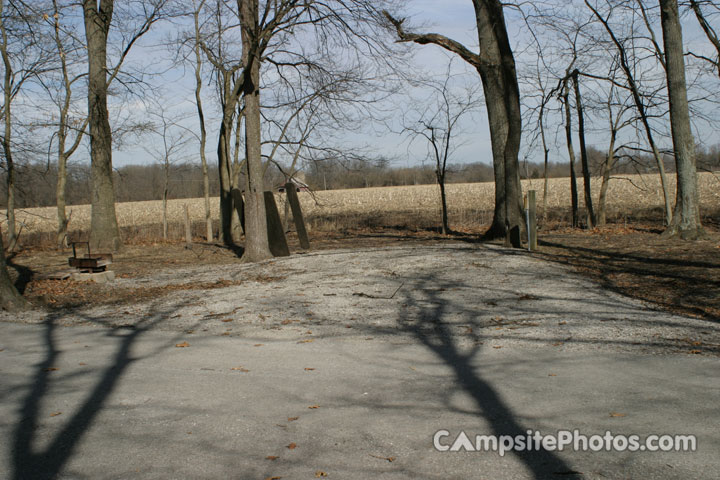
column 534, row 440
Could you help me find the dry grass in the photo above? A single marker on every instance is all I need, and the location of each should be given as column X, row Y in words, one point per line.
column 470, row 204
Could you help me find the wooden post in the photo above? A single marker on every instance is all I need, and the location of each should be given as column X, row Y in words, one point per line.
column 532, row 216
column 188, row 227
column 276, row 234
column 297, row 214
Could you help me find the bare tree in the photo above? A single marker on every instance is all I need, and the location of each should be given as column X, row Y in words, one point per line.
column 640, row 104
column 98, row 18
column 496, row 65
column 173, row 139
column 22, row 59
column 201, row 120
column 70, row 128
column 686, row 222
column 436, row 121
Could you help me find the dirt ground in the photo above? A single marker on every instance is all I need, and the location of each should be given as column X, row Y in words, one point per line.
column 678, row 276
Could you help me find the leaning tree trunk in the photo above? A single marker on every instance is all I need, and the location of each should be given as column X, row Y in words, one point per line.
column 104, row 231
column 10, row 299
column 686, row 219
column 256, row 236
column 583, row 153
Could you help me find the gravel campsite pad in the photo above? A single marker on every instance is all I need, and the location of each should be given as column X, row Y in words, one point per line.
column 478, row 294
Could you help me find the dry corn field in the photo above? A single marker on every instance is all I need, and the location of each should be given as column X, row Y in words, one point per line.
column 469, row 204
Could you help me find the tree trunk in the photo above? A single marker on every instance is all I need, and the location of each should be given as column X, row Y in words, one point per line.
column 203, row 133
column 443, row 204
column 686, row 221
column 224, row 164
column 546, row 154
column 164, row 204
column 502, row 96
column 60, row 196
column 104, row 231
column 583, row 153
column 571, row 155
column 6, row 140
column 256, row 235
column 607, row 168
column 10, row 299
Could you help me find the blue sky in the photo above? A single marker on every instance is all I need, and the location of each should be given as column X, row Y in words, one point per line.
column 453, row 18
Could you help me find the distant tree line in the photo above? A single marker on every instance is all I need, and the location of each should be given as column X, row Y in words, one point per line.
column 35, row 182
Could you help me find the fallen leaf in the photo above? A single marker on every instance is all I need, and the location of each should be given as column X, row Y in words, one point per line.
column 320, row 473
column 616, row 414
column 389, row 459
column 307, row 369
column 273, row 478
column 695, row 352
column 227, row 320
column 51, row 369
column 562, row 323
column 286, row 322
column 557, row 344
column 497, row 346
column 225, row 334
column 314, row 406
column 309, row 332
column 292, row 446
column 55, row 414
column 182, row 345
column 292, row 419
column 552, row 375
column 308, row 340
column 258, row 345
column 82, row 363
column 240, row 369
column 695, row 344
column 271, row 457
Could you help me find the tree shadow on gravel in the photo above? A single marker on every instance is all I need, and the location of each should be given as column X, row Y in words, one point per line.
column 429, row 328
column 50, row 462
column 680, row 285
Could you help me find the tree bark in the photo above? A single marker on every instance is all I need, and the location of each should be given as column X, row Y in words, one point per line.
column 10, row 299
column 583, row 154
column 256, row 235
column 224, row 163
column 686, row 221
column 104, row 231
